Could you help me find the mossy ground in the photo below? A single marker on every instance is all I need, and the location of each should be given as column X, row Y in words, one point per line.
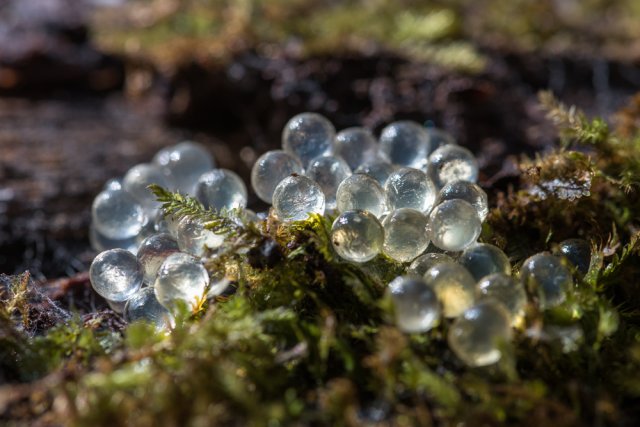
column 305, row 338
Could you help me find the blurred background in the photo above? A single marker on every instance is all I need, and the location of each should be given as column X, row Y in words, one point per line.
column 89, row 88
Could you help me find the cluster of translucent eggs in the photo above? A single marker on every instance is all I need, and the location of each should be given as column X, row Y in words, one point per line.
column 148, row 262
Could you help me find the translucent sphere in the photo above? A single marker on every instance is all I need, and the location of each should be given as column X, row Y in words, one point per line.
column 221, row 189
column 152, row 252
column 469, row 192
column 296, row 197
column 545, row 275
column 480, row 334
column 144, row 306
column 438, row 138
column 115, row 274
column 578, row 252
column 308, row 135
column 361, row 192
column 357, row 236
column 378, row 170
column 271, row 168
column 194, row 239
column 405, row 234
column 454, row 225
column 405, row 143
column 165, row 224
column 100, row 243
column 181, row 277
column 482, row 259
column 117, row 215
column 505, row 290
column 451, row 163
column 410, row 188
column 453, row 285
column 183, row 164
column 423, row 263
column 113, row 184
column 138, row 178
column 416, row 305
column 328, row 172
column 356, row 146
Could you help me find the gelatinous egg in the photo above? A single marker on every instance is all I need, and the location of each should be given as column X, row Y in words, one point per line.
column 451, row 163
column 296, row 197
column 117, row 215
column 415, row 304
column 545, row 275
column 507, row 291
column 308, row 135
column 195, row 239
column 221, row 189
column 467, row 191
column 361, row 192
column 410, row 188
column 356, row 146
column 144, row 306
column 482, row 259
column 423, row 263
column 378, row 170
column 454, row 225
column 328, row 172
column 183, row 164
column 115, row 274
column 357, row 236
column 137, row 180
column 405, row 143
column 181, row 278
column 271, row 168
column 578, row 252
column 405, row 234
column 153, row 251
column 453, row 285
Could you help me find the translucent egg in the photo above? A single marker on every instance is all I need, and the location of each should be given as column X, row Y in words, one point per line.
column 378, row 170
column 153, row 251
column 356, row 146
column 467, row 191
column 423, row 263
column 451, row 163
column 545, row 275
column 221, row 189
column 454, row 225
column 308, row 135
column 138, row 178
column 271, row 168
column 144, row 306
column 415, row 304
column 183, row 164
column 505, row 290
column 482, row 259
column 361, row 192
column 357, row 236
column 115, row 274
column 438, row 138
column 410, row 188
column 296, row 197
column 181, row 277
column 453, row 285
column 405, row 143
column 405, row 234
column 328, row 172
column 577, row 252
column 480, row 334
column 194, row 238
column 165, row 224
column 100, row 243
column 117, row 215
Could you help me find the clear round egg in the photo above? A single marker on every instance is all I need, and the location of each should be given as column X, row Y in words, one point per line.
column 181, row 278
column 357, row 146
column 405, row 234
column 183, row 164
column 308, row 135
column 137, row 180
column 454, row 286
column 507, row 291
column 546, row 276
column 377, row 169
column 454, row 225
column 357, row 236
column 482, row 259
column 100, row 243
column 439, row 138
column 328, row 172
column 416, row 306
column 194, row 238
column 480, row 334
column 117, row 215
column 424, row 262
column 221, row 189
column 361, row 192
column 467, row 191
column 410, row 188
column 153, row 251
column 297, row 196
column 577, row 252
column 143, row 306
column 451, row 163
column 405, row 143
column 115, row 274
column 271, row 168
